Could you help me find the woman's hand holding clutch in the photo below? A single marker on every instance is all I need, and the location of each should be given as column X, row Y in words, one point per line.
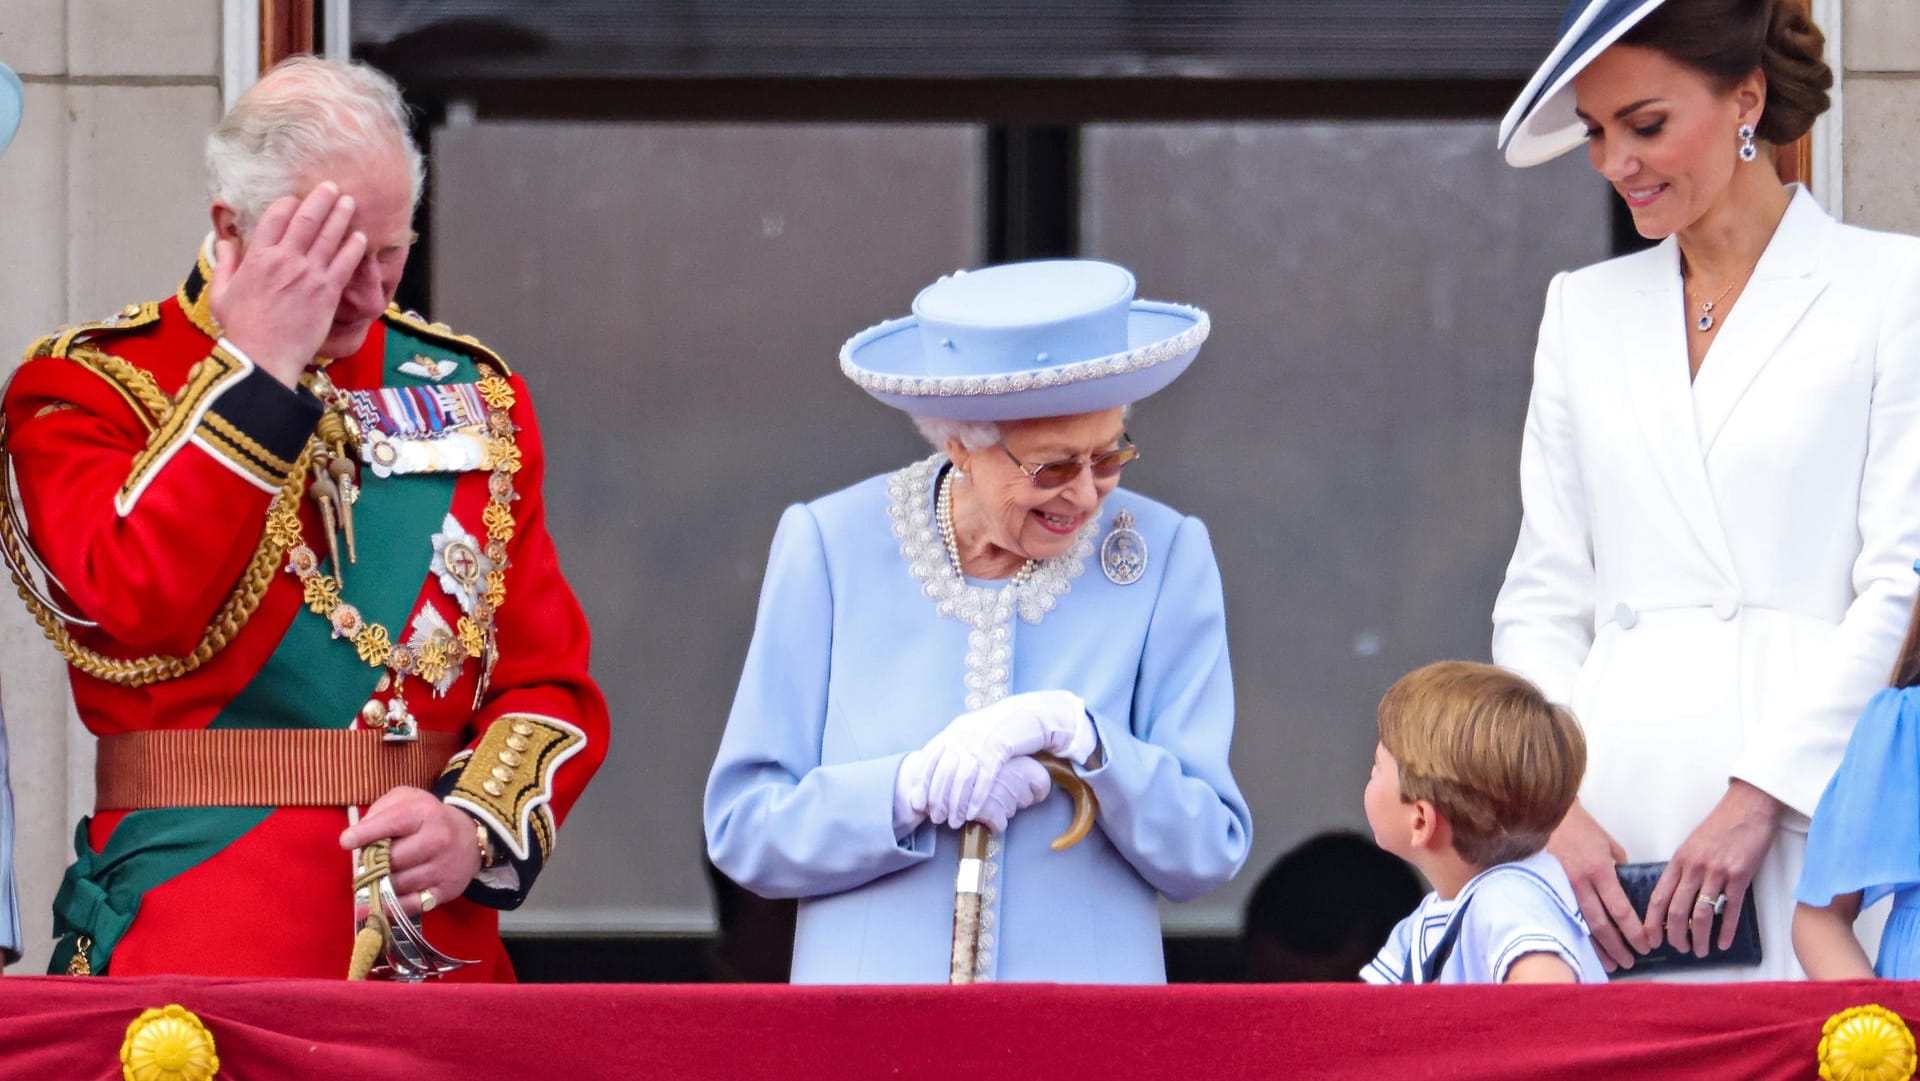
column 1713, row 868
column 1589, row 854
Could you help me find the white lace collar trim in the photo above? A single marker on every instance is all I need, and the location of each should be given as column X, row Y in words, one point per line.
column 910, row 497
column 988, row 610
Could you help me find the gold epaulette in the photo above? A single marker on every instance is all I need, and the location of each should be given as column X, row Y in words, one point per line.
column 60, row 342
column 135, row 384
column 416, row 323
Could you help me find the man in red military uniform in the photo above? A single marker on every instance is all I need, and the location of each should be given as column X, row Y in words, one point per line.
column 293, row 545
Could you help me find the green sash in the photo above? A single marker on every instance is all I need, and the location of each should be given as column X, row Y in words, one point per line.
column 312, row 680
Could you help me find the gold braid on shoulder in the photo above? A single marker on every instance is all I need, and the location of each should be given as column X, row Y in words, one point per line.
column 239, row 607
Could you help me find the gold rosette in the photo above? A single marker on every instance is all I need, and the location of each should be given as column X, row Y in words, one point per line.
column 496, row 392
column 170, row 1044
column 1866, row 1043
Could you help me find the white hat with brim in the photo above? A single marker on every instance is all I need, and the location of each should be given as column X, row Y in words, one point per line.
column 11, row 97
column 1542, row 125
column 1021, row 340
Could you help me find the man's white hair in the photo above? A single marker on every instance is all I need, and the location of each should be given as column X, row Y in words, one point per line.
column 972, row 434
column 302, row 115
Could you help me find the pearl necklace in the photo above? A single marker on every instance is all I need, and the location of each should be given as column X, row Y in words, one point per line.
column 943, row 515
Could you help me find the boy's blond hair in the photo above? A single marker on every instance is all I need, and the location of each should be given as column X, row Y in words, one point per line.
column 1488, row 750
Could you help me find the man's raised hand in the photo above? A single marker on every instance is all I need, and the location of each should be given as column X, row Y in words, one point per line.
column 277, row 301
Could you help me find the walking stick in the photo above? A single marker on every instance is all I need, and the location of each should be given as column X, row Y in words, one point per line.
column 973, row 863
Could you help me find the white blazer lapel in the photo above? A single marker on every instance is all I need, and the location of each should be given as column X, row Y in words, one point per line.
column 1654, row 351
column 1785, row 283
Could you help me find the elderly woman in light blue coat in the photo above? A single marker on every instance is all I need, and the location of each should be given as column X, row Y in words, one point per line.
column 922, row 635
column 10, row 940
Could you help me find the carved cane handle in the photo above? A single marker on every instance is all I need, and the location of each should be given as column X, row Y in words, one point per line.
column 1085, row 805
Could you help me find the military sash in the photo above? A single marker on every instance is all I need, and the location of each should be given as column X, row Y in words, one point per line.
column 312, row 680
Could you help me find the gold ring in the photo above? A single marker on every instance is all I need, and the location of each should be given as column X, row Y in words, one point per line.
column 1717, row 902
column 427, row 901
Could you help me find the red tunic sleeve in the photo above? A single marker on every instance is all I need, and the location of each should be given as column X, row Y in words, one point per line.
column 157, row 510
column 543, row 726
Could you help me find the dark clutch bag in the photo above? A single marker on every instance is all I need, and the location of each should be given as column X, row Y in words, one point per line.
column 1638, row 879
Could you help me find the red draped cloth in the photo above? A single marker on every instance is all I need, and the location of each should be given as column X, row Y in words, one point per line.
column 289, row 1030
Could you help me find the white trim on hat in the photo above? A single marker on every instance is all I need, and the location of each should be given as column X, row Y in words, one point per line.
column 1525, row 145
column 951, row 386
column 1531, row 92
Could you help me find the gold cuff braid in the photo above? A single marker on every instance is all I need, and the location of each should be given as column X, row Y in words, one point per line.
column 507, row 782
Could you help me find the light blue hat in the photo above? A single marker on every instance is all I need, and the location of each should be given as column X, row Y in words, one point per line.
column 11, row 95
column 1541, row 125
column 1042, row 339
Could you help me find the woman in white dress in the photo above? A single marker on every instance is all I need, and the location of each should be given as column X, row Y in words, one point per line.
column 1718, row 470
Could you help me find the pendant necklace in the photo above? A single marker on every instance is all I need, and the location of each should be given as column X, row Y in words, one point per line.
column 1705, row 322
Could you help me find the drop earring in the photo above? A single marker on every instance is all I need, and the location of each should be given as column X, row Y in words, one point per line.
column 1747, row 150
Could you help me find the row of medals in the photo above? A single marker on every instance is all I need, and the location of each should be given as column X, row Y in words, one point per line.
column 333, row 486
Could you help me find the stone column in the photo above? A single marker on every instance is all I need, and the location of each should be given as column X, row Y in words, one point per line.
column 102, row 199
column 1881, row 134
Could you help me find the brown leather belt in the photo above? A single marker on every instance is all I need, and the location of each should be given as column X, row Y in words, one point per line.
column 263, row 767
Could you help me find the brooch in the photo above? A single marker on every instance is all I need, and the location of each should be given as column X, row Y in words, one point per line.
column 432, row 642
column 1123, row 552
column 460, row 564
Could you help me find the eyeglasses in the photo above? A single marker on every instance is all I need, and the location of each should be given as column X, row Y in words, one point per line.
column 1062, row 473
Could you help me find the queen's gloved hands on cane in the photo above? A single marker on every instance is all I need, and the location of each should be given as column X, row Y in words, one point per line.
column 962, row 774
column 1018, row 785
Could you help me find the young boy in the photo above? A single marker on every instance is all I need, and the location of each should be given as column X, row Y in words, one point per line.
column 1473, row 770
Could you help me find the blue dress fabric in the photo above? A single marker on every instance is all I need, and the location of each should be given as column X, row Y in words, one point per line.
column 1512, row 910
column 1865, row 836
column 10, row 940
column 853, row 665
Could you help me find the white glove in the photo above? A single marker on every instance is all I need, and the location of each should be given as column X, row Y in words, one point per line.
column 1020, row 784
column 910, row 792
column 969, row 754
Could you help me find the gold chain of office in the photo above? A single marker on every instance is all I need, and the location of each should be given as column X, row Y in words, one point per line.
column 374, row 642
